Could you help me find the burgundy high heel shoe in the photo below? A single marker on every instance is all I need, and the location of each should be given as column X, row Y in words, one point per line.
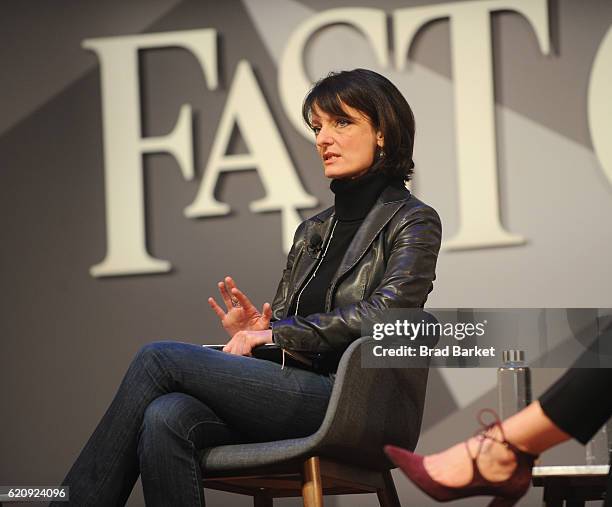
column 507, row 492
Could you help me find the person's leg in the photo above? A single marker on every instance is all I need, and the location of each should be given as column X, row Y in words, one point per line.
column 530, row 430
column 579, row 391
column 256, row 398
column 224, row 399
column 543, row 424
column 505, row 454
column 107, row 467
column 175, row 426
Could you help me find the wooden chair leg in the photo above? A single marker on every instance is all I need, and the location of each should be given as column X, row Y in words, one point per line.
column 312, row 488
column 387, row 496
column 263, row 499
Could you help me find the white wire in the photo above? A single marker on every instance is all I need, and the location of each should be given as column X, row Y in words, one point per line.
column 297, row 303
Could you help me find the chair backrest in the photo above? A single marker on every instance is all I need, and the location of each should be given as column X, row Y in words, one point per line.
column 369, row 408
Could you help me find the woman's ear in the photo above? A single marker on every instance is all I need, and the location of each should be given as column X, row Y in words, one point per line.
column 380, row 140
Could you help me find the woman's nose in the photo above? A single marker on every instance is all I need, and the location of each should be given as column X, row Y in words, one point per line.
column 324, row 138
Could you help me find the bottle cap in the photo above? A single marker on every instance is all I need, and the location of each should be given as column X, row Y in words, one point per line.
column 513, row 356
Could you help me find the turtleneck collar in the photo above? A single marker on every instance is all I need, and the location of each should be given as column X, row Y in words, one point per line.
column 355, row 198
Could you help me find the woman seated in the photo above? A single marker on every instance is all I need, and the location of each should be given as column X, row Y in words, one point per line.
column 375, row 248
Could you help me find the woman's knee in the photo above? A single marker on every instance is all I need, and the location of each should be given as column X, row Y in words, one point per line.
column 162, row 416
column 152, row 362
column 179, row 418
column 157, row 347
column 153, row 352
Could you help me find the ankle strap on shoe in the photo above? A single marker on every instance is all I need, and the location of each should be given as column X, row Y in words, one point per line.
column 483, row 432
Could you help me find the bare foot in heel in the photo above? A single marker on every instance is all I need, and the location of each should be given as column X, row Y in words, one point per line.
column 453, row 467
column 486, row 464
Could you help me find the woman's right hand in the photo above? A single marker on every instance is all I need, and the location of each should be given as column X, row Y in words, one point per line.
column 241, row 314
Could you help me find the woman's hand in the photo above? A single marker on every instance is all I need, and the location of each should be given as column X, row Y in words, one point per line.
column 241, row 314
column 243, row 342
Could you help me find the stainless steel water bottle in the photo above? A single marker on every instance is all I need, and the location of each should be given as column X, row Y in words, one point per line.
column 513, row 383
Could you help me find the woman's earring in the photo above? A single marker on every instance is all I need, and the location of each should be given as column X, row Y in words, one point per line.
column 381, row 153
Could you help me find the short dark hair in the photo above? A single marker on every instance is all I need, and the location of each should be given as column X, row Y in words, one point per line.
column 379, row 99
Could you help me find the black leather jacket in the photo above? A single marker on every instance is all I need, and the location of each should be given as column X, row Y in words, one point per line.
column 390, row 263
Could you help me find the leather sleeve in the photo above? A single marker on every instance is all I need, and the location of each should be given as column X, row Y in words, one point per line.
column 406, row 283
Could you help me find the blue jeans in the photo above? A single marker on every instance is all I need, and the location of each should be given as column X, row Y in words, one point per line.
column 177, row 399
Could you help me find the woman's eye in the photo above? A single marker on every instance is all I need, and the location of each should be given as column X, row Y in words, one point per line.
column 316, row 130
column 342, row 122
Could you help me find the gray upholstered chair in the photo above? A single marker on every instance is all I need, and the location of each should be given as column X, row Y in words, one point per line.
column 368, row 408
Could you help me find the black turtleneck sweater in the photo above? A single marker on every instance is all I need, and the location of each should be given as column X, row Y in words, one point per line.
column 353, row 201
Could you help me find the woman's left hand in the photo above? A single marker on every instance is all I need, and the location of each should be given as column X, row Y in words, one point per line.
column 243, row 342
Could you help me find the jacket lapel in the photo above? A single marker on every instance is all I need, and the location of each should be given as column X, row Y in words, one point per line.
column 387, row 205
column 390, row 201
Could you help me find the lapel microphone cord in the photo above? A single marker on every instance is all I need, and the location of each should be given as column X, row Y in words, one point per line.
column 297, row 303
column 331, row 236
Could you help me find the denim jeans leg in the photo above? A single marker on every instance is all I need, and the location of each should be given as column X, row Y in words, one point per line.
column 175, row 426
column 255, row 398
column 107, row 467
